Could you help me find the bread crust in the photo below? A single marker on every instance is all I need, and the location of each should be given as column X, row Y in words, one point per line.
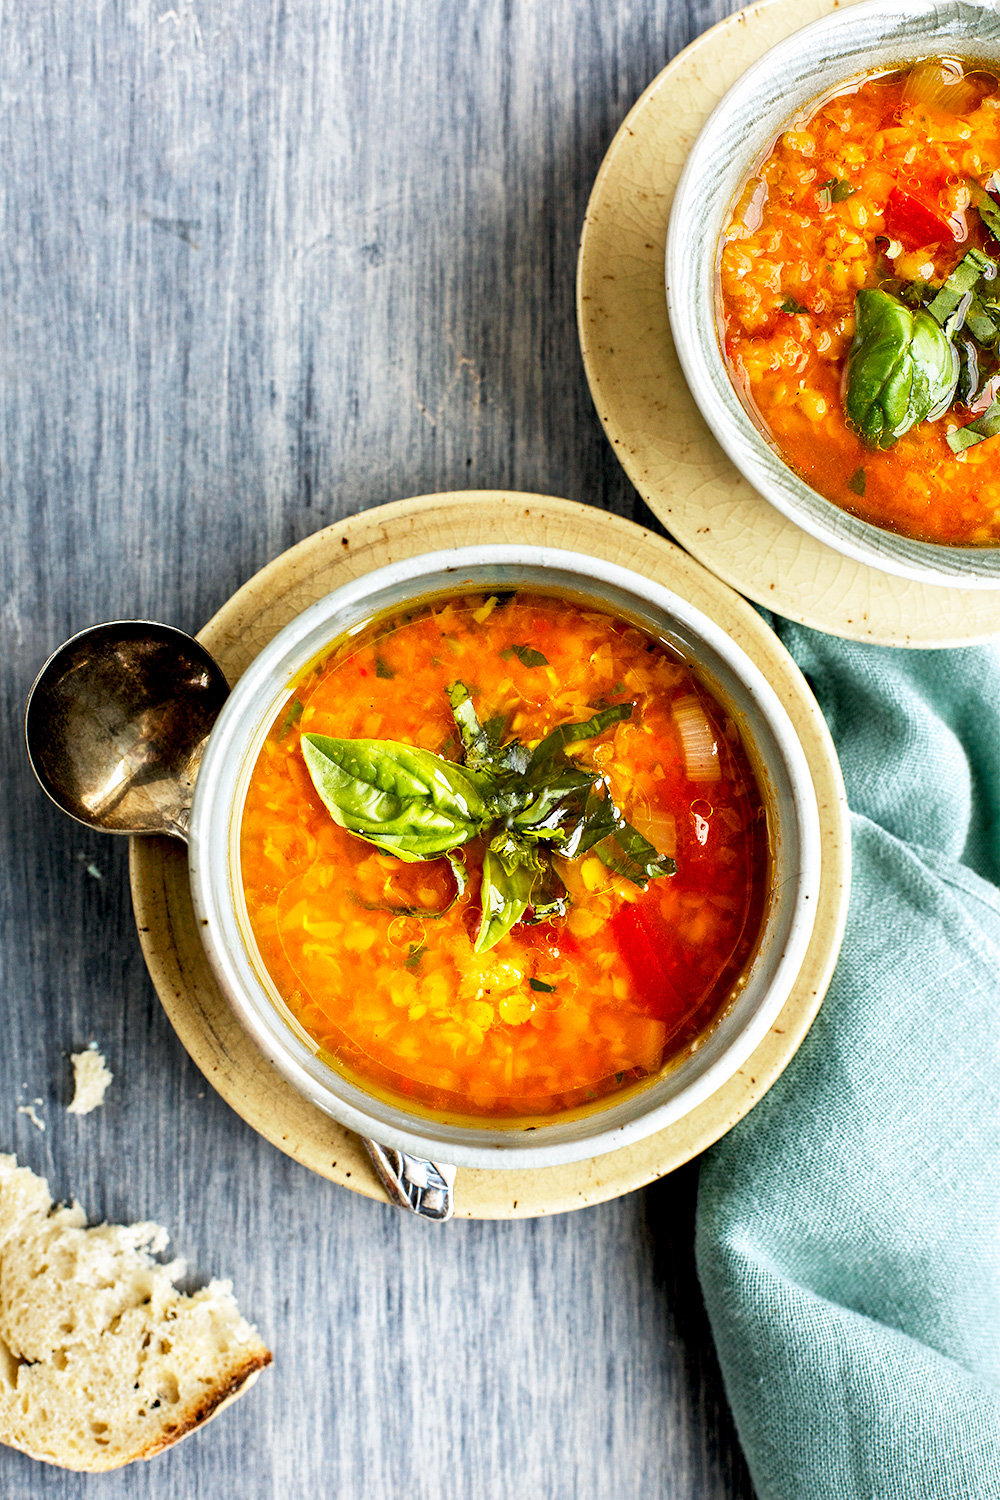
column 215, row 1402
column 84, row 1313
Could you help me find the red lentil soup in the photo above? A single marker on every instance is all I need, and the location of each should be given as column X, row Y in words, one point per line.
column 875, row 186
column 559, row 1013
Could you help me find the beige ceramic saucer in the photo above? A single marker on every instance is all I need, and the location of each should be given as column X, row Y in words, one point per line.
column 161, row 895
column 650, row 416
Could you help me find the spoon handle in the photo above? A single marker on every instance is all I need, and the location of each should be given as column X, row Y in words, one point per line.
column 425, row 1188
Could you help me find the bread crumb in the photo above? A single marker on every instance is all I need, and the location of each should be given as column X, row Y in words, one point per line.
column 91, row 1077
column 29, row 1110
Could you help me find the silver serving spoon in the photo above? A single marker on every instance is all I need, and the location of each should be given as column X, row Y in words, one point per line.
column 116, row 724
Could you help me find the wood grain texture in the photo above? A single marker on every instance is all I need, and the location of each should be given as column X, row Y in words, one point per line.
column 266, row 265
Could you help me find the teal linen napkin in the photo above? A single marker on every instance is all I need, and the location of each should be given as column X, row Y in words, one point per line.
column 849, row 1228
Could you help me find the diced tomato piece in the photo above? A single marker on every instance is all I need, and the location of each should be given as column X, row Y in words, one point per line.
column 911, row 221
column 643, row 957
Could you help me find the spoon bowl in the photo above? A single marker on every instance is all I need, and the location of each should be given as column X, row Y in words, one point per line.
column 116, row 724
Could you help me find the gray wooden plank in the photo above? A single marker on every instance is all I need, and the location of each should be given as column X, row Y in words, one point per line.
column 266, row 264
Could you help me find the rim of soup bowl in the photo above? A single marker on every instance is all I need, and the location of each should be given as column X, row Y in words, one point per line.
column 780, row 764
column 863, row 40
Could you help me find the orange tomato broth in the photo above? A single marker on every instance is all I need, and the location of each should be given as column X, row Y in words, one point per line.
column 556, row 1014
column 788, row 241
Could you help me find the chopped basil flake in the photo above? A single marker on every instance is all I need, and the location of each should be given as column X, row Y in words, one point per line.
column 856, row 483
column 834, row 190
column 987, row 208
column 792, row 307
column 413, row 957
column 292, row 717
column 946, row 307
column 986, row 426
column 984, row 329
column 526, row 655
column 382, row 668
column 495, row 728
column 541, row 986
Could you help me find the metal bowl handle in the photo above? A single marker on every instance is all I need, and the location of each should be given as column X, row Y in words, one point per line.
column 425, row 1188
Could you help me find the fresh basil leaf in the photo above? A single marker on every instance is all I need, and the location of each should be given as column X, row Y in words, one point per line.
column 570, row 734
column 629, row 854
column 505, row 896
column 519, row 884
column 409, row 802
column 526, row 655
column 598, row 817
column 901, row 369
column 514, row 853
column 560, row 797
column 541, row 987
column 984, row 328
column 856, row 483
column 496, row 728
column 915, row 294
column 475, row 740
column 986, row 426
column 458, row 871
column 481, row 743
column 947, row 301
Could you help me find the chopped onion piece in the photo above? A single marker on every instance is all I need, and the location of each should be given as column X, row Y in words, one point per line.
column 698, row 746
column 942, row 85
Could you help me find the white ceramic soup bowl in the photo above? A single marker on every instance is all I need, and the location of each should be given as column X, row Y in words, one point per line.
column 872, row 37
column 781, row 770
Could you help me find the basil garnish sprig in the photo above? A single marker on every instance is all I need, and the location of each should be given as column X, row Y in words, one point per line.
column 528, row 805
column 902, row 368
column 918, row 349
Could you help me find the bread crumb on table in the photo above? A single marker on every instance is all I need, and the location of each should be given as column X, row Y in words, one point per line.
column 91, row 1077
column 29, row 1110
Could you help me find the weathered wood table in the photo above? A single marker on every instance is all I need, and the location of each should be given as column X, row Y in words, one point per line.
column 266, row 265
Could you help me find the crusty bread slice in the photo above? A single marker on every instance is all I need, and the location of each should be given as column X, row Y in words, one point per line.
column 102, row 1359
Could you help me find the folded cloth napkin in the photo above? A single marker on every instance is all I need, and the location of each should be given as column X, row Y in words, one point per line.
column 849, row 1227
